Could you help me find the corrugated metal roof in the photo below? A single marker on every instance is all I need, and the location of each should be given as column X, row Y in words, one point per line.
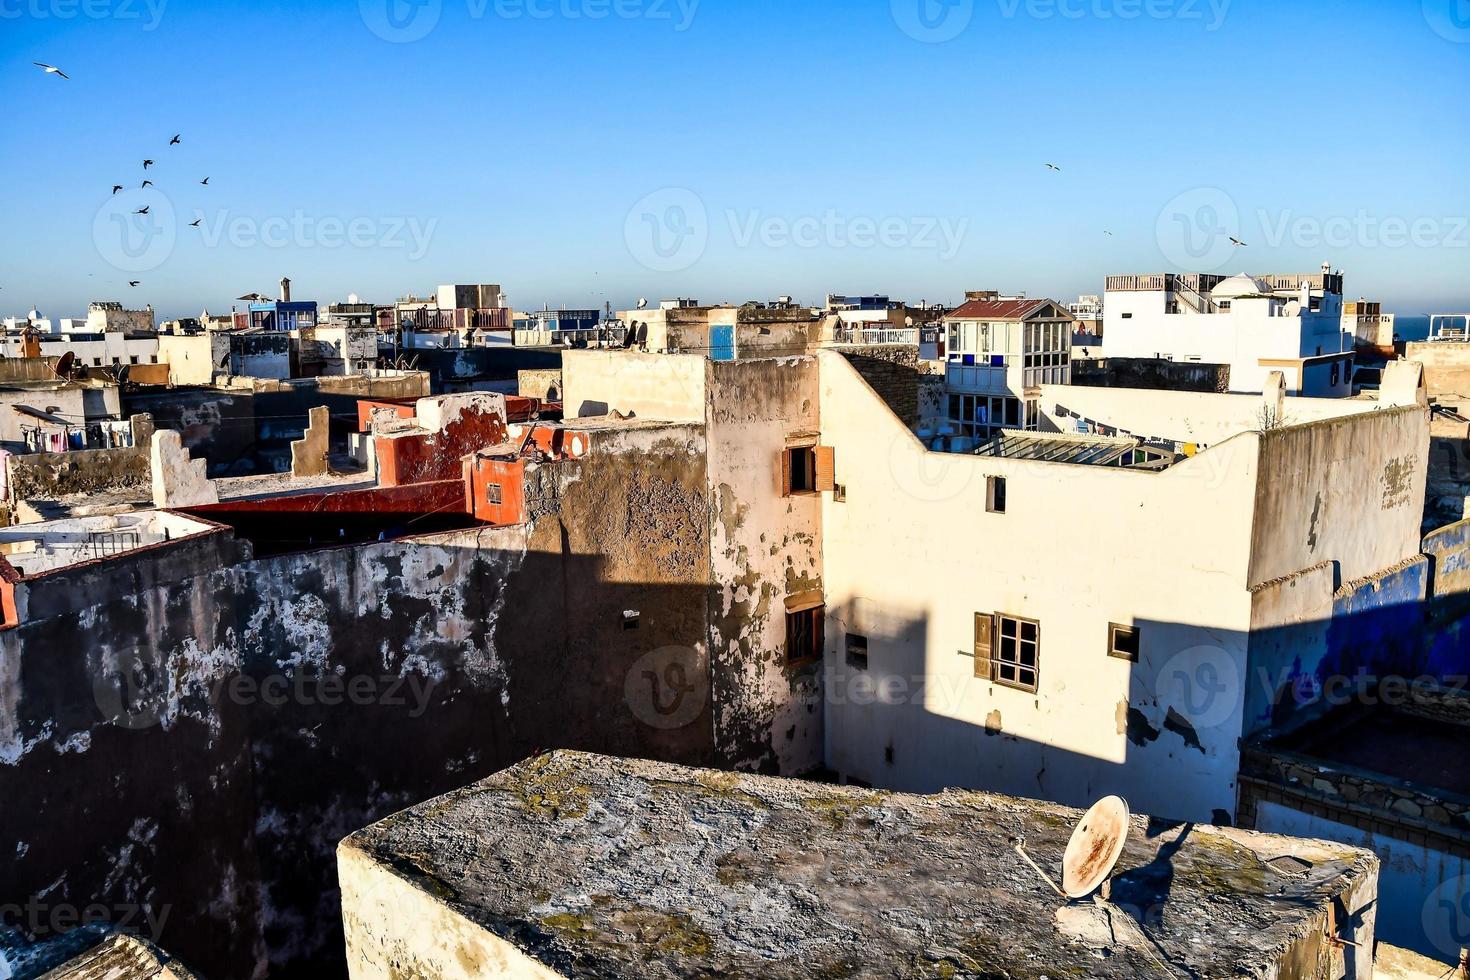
column 1000, row 309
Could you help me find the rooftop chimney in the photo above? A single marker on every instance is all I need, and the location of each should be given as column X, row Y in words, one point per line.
column 285, row 290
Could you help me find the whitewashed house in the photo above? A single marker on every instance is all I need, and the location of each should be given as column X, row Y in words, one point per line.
column 1254, row 324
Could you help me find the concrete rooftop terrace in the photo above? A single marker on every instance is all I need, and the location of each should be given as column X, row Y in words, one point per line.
column 579, row 865
column 34, row 549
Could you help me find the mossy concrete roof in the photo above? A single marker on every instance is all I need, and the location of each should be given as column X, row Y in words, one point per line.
column 604, row 867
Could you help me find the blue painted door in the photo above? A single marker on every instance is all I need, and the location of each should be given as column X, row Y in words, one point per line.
column 722, row 342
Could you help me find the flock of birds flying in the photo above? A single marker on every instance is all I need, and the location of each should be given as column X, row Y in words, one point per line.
column 1233, row 240
column 178, row 139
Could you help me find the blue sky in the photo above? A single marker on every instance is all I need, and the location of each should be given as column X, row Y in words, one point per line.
column 583, row 151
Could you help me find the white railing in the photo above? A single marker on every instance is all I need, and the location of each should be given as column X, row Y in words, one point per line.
column 869, row 336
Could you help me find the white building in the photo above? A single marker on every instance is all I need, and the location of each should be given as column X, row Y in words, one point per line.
column 109, row 337
column 998, row 352
column 976, row 639
column 1256, row 325
column 1087, row 320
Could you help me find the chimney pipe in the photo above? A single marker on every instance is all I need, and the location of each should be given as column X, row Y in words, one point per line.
column 285, row 290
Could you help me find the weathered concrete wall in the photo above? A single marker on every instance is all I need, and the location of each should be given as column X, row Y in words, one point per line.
column 670, row 387
column 543, row 383
column 892, row 371
column 765, row 549
column 1446, row 368
column 1348, row 490
column 217, row 424
column 277, row 704
column 194, row 359
column 51, row 475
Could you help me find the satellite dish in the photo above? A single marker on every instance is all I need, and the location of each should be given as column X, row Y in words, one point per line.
column 643, row 304
column 64, row 366
column 352, row 298
column 1095, row 847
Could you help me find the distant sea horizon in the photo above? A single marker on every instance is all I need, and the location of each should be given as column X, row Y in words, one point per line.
column 1411, row 328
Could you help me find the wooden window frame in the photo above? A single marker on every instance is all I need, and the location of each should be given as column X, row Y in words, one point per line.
column 818, row 465
column 1113, row 630
column 999, row 665
column 815, row 619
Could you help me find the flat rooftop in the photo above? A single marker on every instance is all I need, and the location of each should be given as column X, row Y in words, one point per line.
column 34, row 549
column 1401, row 745
column 603, row 867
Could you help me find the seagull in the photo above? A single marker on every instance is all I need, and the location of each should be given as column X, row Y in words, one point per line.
column 143, row 210
column 174, row 141
column 116, row 188
column 134, row 282
column 147, row 164
column 147, row 183
column 204, row 181
column 1108, row 233
column 1052, row 166
column 1238, row 243
column 195, row 222
column 50, row 69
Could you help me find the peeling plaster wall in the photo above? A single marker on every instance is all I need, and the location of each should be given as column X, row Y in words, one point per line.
column 1348, row 490
column 764, row 548
column 474, row 649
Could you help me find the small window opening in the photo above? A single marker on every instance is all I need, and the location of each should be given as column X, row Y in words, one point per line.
column 804, row 635
column 995, row 494
column 857, row 651
column 1123, row 642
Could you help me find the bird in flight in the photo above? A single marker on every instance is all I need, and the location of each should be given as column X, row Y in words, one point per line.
column 204, row 181
column 147, row 164
column 175, row 140
column 147, row 183
column 134, row 282
column 50, row 69
column 1108, row 233
column 195, row 222
column 1238, row 243
column 143, row 210
column 116, row 188
column 1052, row 166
